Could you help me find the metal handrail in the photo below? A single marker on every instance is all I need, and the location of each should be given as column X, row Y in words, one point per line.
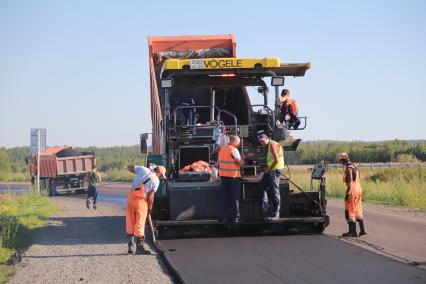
column 189, row 107
column 219, row 111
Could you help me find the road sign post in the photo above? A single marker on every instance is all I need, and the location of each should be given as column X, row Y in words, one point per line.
column 38, row 143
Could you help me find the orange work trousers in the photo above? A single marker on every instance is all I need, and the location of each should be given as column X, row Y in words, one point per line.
column 136, row 212
column 354, row 206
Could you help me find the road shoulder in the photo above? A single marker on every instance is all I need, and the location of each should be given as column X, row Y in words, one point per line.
column 86, row 246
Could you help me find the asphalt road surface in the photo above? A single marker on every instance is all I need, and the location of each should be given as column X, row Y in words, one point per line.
column 391, row 252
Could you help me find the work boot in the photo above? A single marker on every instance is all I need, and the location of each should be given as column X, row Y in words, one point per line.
column 140, row 249
column 361, row 227
column 88, row 203
column 352, row 230
column 129, row 244
column 237, row 220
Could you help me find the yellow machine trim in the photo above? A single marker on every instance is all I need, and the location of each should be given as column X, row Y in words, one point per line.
column 221, row 63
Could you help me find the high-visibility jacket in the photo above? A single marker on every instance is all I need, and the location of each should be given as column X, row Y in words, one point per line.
column 270, row 157
column 228, row 166
column 288, row 106
column 354, row 204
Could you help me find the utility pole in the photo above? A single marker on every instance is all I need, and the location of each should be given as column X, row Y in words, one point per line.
column 38, row 160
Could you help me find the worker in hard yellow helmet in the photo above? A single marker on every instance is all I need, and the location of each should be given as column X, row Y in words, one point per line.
column 140, row 200
column 353, row 197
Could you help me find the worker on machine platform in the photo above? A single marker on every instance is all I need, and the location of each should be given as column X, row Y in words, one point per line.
column 289, row 110
column 140, row 200
column 353, row 197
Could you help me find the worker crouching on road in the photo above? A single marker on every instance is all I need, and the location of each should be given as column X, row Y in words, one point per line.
column 270, row 182
column 353, row 197
column 92, row 191
column 140, row 200
column 230, row 161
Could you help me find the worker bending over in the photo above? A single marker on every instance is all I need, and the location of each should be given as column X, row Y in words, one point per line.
column 289, row 110
column 270, row 182
column 230, row 162
column 140, row 200
column 353, row 197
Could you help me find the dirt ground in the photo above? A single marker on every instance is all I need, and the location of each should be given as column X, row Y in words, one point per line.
column 86, row 246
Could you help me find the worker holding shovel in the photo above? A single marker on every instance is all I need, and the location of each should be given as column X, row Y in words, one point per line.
column 140, row 200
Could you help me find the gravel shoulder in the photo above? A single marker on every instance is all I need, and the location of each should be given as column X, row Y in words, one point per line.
column 86, row 246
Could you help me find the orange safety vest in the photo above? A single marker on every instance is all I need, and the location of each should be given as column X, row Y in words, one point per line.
column 228, row 166
column 355, row 176
column 288, row 103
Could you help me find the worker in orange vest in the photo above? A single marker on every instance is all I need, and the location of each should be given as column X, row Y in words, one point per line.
column 353, row 197
column 140, row 200
column 230, row 161
column 289, row 110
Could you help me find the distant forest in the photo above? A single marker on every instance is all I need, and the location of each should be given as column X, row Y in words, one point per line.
column 12, row 160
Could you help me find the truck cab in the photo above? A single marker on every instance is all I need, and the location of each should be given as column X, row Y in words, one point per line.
column 202, row 98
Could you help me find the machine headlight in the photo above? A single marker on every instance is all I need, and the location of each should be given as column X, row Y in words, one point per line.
column 166, row 83
column 277, row 81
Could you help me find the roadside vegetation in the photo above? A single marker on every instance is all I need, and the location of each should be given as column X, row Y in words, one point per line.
column 112, row 161
column 400, row 187
column 403, row 187
column 20, row 215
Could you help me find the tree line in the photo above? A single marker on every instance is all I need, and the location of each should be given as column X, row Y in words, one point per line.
column 118, row 157
column 361, row 152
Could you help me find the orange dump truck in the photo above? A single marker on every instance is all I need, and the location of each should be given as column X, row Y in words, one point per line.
column 62, row 169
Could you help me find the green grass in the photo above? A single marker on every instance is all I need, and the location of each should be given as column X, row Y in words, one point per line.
column 19, row 217
column 12, row 176
column 403, row 187
column 117, row 175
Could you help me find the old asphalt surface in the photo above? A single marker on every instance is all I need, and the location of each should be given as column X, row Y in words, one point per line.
column 88, row 247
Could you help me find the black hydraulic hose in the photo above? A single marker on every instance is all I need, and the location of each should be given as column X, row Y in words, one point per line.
column 299, row 188
column 307, row 195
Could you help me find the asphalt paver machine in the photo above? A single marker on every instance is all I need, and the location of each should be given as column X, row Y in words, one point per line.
column 199, row 94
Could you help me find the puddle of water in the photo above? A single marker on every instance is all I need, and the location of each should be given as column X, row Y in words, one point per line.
column 14, row 190
column 120, row 200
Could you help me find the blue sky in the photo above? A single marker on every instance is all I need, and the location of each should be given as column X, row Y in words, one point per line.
column 80, row 68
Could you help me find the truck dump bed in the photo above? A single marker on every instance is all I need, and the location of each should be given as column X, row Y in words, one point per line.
column 60, row 161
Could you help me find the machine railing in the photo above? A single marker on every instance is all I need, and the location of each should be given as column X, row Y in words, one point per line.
column 214, row 123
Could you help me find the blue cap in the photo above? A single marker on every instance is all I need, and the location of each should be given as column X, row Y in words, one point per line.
column 262, row 136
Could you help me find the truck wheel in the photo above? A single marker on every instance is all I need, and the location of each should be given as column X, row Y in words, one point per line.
column 52, row 188
column 44, row 186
